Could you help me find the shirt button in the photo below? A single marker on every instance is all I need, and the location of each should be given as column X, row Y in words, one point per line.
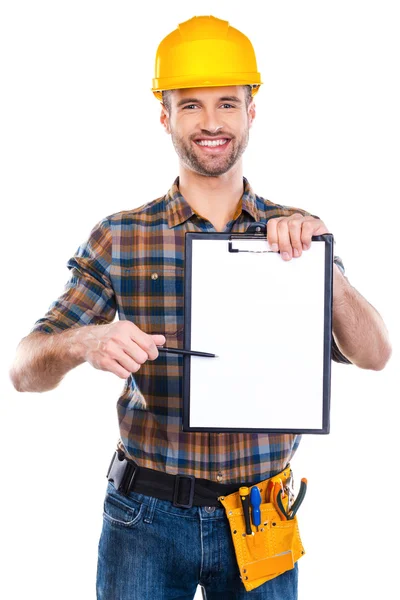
column 154, row 275
column 210, row 509
column 219, row 476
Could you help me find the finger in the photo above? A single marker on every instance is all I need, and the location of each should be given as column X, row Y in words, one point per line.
column 284, row 240
column 132, row 363
column 124, row 350
column 114, row 366
column 272, row 233
column 159, row 339
column 120, row 371
column 129, row 355
column 309, row 228
column 295, row 236
column 146, row 344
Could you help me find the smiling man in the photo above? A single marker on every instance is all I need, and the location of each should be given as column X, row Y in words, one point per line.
column 205, row 109
column 209, row 128
column 164, row 530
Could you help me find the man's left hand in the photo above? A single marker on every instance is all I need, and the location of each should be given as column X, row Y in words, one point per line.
column 291, row 235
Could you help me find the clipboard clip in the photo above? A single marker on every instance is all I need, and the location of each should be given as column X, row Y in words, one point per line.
column 256, row 230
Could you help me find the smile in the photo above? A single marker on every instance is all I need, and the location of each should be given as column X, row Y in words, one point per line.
column 212, row 143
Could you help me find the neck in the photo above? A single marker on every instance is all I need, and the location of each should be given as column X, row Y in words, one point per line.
column 213, row 198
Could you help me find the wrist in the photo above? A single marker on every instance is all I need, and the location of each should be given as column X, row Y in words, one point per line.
column 76, row 344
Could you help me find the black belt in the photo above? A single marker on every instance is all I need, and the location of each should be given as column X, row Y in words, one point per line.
column 183, row 491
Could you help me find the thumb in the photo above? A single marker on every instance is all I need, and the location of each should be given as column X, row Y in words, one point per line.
column 159, row 339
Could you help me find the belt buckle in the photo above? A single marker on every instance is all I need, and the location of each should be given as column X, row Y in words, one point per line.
column 176, row 491
column 122, row 473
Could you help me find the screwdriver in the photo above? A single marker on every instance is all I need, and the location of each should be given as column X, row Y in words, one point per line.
column 255, row 500
column 244, row 496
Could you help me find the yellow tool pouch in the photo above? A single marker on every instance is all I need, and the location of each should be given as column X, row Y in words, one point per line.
column 271, row 550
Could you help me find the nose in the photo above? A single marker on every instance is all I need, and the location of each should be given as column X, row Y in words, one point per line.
column 210, row 121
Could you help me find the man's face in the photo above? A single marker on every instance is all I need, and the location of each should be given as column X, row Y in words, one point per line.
column 209, row 127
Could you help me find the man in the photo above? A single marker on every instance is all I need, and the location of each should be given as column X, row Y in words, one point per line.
column 158, row 542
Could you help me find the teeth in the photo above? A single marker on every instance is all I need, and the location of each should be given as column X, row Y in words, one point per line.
column 211, row 142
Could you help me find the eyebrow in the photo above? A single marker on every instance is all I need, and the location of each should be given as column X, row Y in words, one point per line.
column 197, row 101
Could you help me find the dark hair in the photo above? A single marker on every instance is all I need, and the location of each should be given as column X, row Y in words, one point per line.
column 166, row 97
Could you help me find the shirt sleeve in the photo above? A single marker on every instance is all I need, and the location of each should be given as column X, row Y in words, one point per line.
column 88, row 297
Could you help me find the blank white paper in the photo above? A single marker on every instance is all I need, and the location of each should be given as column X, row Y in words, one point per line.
column 264, row 318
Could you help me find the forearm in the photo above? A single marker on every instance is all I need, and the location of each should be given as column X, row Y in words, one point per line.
column 42, row 360
column 359, row 330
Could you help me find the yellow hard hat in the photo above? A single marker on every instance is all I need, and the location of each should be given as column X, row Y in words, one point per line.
column 205, row 52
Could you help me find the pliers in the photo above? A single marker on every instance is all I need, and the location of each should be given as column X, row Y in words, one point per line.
column 276, row 497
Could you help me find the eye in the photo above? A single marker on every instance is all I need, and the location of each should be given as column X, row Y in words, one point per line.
column 189, row 106
column 228, row 105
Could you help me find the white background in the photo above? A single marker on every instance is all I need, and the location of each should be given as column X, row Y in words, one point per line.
column 80, row 139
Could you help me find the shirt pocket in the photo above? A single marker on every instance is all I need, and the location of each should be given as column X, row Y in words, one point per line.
column 151, row 297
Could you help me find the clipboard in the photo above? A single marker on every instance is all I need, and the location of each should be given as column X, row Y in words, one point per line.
column 269, row 323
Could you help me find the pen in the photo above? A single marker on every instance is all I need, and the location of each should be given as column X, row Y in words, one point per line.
column 185, row 352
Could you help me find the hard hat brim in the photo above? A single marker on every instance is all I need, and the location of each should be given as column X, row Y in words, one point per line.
column 175, row 83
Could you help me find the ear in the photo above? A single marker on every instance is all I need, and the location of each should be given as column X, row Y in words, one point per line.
column 164, row 118
column 251, row 111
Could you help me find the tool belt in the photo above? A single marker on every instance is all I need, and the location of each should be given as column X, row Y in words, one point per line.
column 262, row 552
column 274, row 545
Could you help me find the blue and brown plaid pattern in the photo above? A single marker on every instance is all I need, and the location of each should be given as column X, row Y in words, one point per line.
column 133, row 264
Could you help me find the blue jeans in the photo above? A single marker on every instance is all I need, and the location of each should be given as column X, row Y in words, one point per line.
column 152, row 550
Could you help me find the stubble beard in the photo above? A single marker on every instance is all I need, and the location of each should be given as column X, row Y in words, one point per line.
column 209, row 166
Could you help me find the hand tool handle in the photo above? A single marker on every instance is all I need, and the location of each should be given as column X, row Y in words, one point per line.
column 277, row 500
column 300, row 498
column 280, row 507
column 270, row 491
column 244, row 496
column 255, row 501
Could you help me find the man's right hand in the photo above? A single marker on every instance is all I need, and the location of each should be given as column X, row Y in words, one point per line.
column 120, row 347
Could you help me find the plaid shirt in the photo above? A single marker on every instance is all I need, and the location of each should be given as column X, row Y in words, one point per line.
column 133, row 263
